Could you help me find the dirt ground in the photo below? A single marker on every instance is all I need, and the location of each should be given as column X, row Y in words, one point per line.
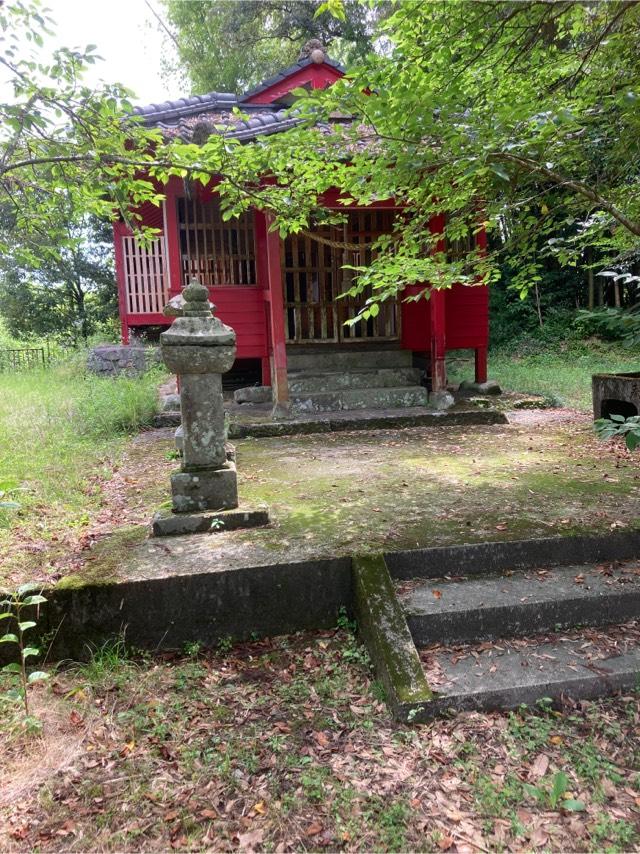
column 285, row 745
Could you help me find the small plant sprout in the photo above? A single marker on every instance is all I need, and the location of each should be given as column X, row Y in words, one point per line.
column 13, row 605
column 8, row 504
column 217, row 524
column 556, row 795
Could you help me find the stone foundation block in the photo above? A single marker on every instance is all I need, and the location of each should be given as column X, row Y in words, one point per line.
column 114, row 359
column 441, row 400
column 490, row 387
column 166, row 523
column 253, row 394
column 171, row 403
column 208, row 489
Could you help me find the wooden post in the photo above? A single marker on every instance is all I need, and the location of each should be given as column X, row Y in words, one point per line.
column 119, row 230
column 172, row 239
column 438, row 342
column 438, row 318
column 481, row 353
column 481, row 365
column 279, row 379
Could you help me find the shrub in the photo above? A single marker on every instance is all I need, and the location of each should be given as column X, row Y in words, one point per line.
column 612, row 324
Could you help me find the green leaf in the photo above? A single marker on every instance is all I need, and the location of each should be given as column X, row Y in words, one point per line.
column 34, row 600
column 573, row 805
column 28, row 624
column 500, row 171
column 9, row 638
column 632, row 440
column 12, row 668
column 37, row 676
column 29, row 651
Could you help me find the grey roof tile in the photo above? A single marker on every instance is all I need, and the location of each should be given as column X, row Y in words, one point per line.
column 180, row 117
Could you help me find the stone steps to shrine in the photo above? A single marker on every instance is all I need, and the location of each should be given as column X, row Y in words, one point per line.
column 360, row 398
column 579, row 665
column 498, row 641
column 308, row 382
column 335, row 380
column 522, row 602
column 496, row 625
column 318, row 360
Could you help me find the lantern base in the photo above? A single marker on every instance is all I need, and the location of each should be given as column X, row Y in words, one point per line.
column 166, row 523
column 205, row 489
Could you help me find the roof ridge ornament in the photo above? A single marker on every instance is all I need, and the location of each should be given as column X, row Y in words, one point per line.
column 314, row 50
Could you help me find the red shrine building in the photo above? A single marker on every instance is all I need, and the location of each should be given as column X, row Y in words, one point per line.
column 281, row 296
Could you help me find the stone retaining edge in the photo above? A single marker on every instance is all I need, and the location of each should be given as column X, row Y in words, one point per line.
column 383, row 627
column 328, row 424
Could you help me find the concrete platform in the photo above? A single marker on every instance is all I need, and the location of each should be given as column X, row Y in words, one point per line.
column 521, row 603
column 485, row 679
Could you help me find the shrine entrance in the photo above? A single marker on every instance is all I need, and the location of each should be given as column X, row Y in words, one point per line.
column 313, row 279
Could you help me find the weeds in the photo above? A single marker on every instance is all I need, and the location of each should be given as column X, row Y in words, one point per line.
column 15, row 605
column 563, row 373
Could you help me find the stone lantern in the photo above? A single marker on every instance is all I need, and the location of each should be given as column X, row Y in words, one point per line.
column 199, row 348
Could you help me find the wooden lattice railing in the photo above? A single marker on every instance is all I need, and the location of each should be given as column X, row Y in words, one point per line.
column 147, row 282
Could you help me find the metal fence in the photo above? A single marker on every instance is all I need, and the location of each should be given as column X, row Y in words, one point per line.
column 23, row 359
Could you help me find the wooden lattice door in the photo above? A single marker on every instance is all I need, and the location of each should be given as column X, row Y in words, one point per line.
column 313, row 278
column 362, row 229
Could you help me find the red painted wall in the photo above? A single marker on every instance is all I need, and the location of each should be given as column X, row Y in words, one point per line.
column 466, row 319
column 243, row 309
column 317, row 76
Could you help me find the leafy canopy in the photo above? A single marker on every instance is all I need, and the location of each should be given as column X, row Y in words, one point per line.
column 509, row 114
column 62, row 143
column 231, row 45
column 481, row 111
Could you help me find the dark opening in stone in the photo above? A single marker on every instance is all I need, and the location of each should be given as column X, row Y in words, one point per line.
column 611, row 407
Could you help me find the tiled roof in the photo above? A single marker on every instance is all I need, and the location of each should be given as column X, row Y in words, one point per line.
column 199, row 126
column 196, row 118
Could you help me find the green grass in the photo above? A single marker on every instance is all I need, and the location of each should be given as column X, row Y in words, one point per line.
column 564, row 374
column 61, row 430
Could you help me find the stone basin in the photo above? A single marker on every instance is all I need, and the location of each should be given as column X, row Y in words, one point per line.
column 616, row 394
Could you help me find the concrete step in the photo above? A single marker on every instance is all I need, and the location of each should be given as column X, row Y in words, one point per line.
column 311, row 382
column 360, row 398
column 323, row 361
column 521, row 603
column 580, row 665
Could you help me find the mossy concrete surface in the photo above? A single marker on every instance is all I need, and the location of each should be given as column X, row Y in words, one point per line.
column 383, row 626
column 332, row 495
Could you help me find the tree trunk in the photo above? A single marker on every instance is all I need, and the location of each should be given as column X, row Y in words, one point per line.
column 591, row 283
column 538, row 306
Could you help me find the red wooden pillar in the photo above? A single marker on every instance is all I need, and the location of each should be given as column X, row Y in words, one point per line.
column 172, row 238
column 438, row 341
column 119, row 230
column 438, row 320
column 481, row 364
column 481, row 352
column 274, row 295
